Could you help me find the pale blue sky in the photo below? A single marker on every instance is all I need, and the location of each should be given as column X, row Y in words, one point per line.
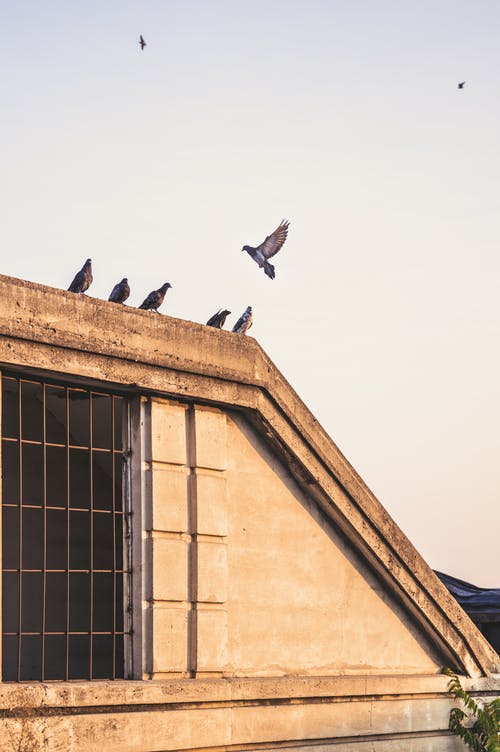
column 343, row 117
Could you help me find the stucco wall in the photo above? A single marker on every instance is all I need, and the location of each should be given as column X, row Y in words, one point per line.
column 299, row 600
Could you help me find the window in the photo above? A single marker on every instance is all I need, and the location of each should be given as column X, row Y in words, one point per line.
column 63, row 532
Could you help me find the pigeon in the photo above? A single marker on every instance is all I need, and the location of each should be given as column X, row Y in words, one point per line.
column 461, row 84
column 218, row 319
column 120, row 292
column 244, row 322
column 83, row 279
column 142, row 42
column 155, row 298
column 268, row 248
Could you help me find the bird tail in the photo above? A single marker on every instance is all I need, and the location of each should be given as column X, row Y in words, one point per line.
column 269, row 270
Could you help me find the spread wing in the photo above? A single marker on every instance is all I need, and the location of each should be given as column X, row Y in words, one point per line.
column 274, row 242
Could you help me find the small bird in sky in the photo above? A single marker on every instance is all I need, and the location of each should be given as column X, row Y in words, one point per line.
column 218, row 319
column 142, row 42
column 461, row 84
column 83, row 279
column 271, row 245
column 155, row 298
column 244, row 322
column 120, row 292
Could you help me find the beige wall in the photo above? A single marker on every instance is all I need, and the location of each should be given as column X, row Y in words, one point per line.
column 249, row 578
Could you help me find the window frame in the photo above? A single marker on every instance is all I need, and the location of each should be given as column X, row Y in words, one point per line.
column 97, row 388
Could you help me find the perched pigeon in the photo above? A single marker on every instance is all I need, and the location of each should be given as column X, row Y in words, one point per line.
column 244, row 322
column 268, row 248
column 461, row 84
column 218, row 319
column 83, row 279
column 142, row 42
column 120, row 292
column 155, row 298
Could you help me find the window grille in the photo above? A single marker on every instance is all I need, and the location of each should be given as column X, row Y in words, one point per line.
column 64, row 573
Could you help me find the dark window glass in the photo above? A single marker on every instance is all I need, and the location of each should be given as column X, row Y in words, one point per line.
column 10, row 602
column 33, row 474
column 55, row 414
column 9, row 658
column 79, row 478
column 79, row 418
column 119, row 421
column 119, row 603
column 103, row 602
column 102, row 424
column 55, row 657
column 10, row 407
column 32, row 538
column 56, row 599
column 32, row 411
column 103, row 534
column 118, row 482
column 31, row 658
column 10, row 472
column 56, row 476
column 10, row 537
column 57, row 538
column 79, row 657
column 32, row 602
column 63, row 578
column 119, row 540
column 79, row 536
column 102, row 479
column 119, row 657
column 102, row 656
column 79, row 602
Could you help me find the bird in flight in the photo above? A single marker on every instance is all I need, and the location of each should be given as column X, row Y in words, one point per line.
column 271, row 245
column 142, row 42
column 155, row 298
column 244, row 322
column 83, row 279
column 120, row 292
column 461, row 84
column 218, row 319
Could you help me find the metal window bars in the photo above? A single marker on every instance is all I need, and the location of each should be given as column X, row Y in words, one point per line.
column 64, row 560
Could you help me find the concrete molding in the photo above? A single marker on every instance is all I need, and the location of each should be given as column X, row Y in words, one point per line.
column 51, row 330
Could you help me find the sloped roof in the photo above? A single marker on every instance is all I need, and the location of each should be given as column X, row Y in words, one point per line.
column 473, row 599
column 50, row 330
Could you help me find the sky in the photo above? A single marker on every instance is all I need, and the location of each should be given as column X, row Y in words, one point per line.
column 344, row 117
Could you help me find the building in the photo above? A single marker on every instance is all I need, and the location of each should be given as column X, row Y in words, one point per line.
column 481, row 604
column 189, row 562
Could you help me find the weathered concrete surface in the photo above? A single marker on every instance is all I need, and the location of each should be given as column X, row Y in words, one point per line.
column 348, row 713
column 75, row 335
column 266, row 570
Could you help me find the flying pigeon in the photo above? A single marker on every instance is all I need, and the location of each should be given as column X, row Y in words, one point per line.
column 83, row 279
column 461, row 84
column 120, row 292
column 244, row 322
column 155, row 298
column 218, row 319
column 271, row 245
column 142, row 42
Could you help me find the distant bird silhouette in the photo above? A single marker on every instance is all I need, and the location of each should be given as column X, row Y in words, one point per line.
column 271, row 245
column 83, row 279
column 155, row 298
column 244, row 322
column 461, row 84
column 120, row 292
column 218, row 319
column 142, row 42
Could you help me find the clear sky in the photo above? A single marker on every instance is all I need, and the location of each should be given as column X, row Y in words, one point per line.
column 344, row 117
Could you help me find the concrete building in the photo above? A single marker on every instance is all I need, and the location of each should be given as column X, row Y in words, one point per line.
column 190, row 563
